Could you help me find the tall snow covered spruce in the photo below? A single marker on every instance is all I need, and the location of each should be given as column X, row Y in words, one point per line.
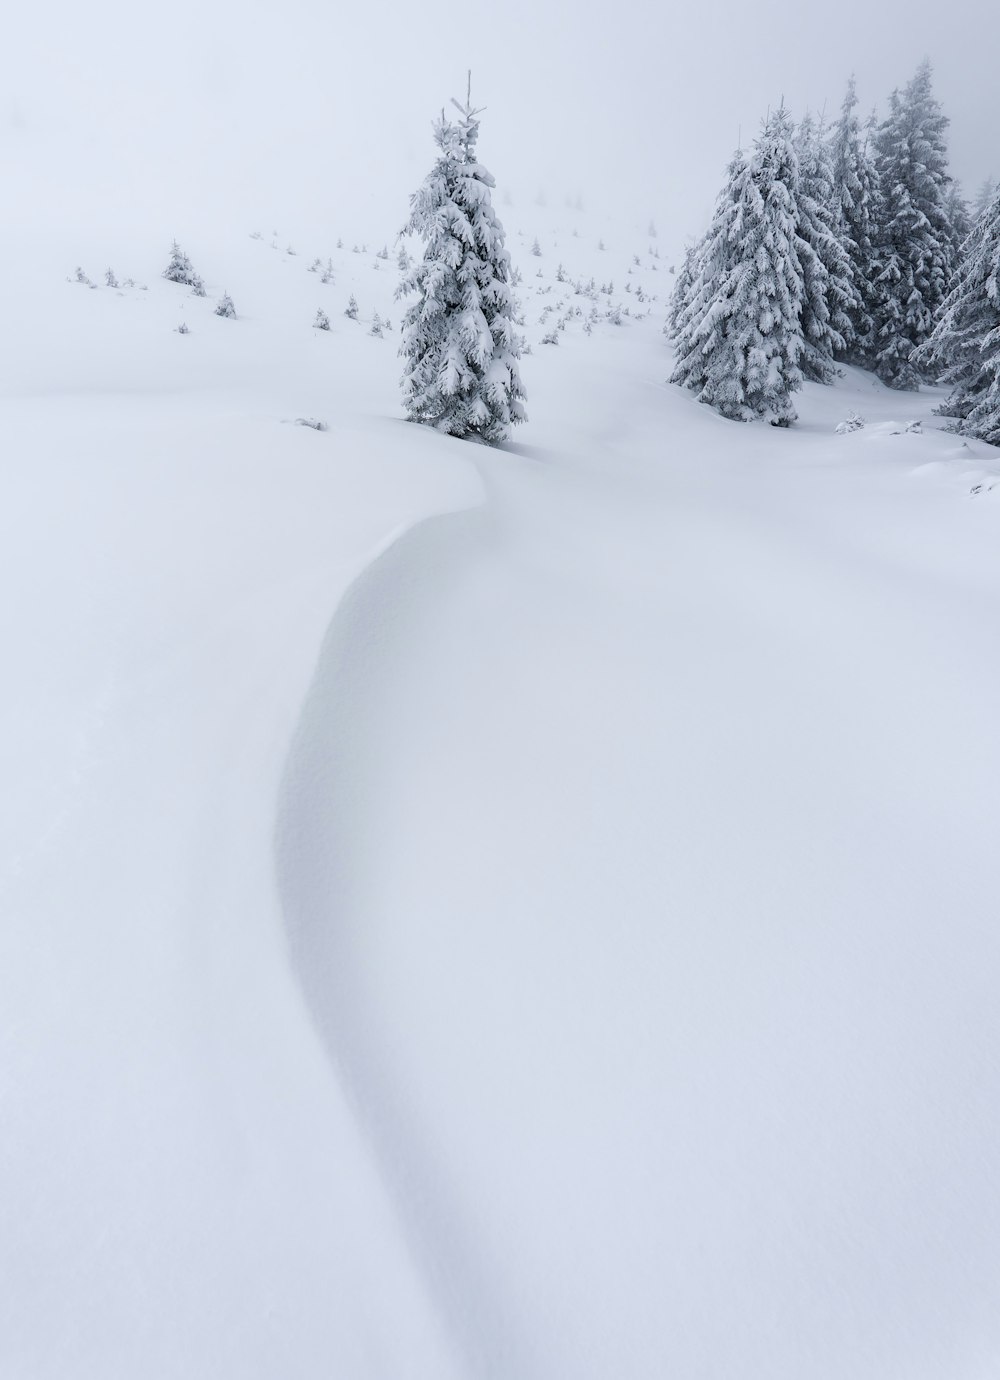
column 829, row 295
column 856, row 201
column 965, row 342
column 738, row 333
column 459, row 340
column 914, row 244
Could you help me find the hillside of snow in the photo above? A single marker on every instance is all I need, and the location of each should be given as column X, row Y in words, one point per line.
column 515, row 913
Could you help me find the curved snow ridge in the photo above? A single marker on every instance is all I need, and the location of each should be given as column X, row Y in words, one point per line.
column 323, row 859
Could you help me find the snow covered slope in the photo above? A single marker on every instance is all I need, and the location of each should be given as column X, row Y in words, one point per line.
column 183, row 1189
column 568, row 949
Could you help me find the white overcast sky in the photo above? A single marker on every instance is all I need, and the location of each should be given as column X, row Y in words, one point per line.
column 318, row 114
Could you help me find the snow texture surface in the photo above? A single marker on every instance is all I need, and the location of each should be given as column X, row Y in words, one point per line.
column 514, row 913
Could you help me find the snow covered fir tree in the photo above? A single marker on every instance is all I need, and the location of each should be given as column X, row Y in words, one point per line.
column 459, row 339
column 181, row 270
column 965, row 343
column 738, row 332
column 855, row 205
column 829, row 296
column 879, row 226
column 914, row 244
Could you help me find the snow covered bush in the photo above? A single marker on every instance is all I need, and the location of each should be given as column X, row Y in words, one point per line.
column 225, row 307
column 322, row 322
column 459, row 342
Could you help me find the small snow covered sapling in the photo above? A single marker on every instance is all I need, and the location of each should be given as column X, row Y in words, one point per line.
column 853, row 423
column 351, row 310
column 383, row 253
column 376, row 329
column 322, row 322
column 180, row 270
column 550, row 338
column 316, row 266
column 110, row 279
column 225, row 307
column 536, row 248
column 183, row 329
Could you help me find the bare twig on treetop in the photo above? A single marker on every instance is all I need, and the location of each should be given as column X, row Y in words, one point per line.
column 467, row 109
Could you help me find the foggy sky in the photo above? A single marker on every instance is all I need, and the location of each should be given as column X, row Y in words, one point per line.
column 318, row 114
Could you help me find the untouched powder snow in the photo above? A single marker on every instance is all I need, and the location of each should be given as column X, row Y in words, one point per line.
column 183, row 1187
column 655, row 926
column 512, row 914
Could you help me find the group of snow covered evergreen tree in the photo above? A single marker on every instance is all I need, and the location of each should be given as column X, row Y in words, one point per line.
column 850, row 244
